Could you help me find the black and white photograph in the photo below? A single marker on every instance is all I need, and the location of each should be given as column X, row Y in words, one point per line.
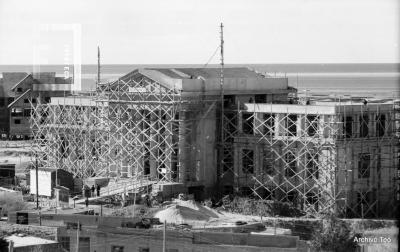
column 199, row 126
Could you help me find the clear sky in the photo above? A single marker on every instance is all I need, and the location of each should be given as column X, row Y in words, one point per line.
column 187, row 31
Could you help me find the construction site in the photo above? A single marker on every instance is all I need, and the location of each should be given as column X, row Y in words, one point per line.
column 218, row 131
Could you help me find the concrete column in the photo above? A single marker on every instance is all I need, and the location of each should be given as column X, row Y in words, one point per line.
column 301, row 125
column 237, row 163
column 326, row 124
column 240, row 122
column 278, row 124
column 182, row 147
column 153, row 143
column 258, row 127
column 257, row 161
column 168, row 142
column 139, row 168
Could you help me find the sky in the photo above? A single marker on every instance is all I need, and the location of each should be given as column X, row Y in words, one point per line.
column 187, row 31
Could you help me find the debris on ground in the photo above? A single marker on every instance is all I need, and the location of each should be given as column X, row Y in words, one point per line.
column 197, row 214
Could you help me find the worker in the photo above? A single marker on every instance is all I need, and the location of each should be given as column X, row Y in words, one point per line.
column 93, row 189
column 83, row 190
column 98, row 190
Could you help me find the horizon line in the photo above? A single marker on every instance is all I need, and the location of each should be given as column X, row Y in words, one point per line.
column 278, row 63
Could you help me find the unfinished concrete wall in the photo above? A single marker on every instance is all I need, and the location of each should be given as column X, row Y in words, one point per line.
column 367, row 156
column 325, row 157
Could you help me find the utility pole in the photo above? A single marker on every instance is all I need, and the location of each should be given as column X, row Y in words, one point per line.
column 37, row 182
column 77, row 238
column 11, row 246
column 134, row 199
column 222, row 140
column 164, row 236
column 222, row 67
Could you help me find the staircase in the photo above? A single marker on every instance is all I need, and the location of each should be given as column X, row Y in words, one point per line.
column 120, row 186
column 125, row 185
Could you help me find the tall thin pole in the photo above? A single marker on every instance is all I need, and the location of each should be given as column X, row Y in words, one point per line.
column 222, row 63
column 77, row 238
column 98, row 67
column 164, row 237
column 37, row 182
column 134, row 199
column 222, row 52
column 11, row 246
column 221, row 158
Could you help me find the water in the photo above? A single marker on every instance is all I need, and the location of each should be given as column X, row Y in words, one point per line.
column 364, row 80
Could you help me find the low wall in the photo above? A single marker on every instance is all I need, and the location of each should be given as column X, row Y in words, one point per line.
column 304, row 228
column 38, row 231
column 275, row 241
column 57, row 220
column 7, row 193
column 42, row 248
column 248, row 228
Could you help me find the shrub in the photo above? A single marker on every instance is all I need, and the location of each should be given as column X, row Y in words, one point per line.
column 334, row 235
column 266, row 208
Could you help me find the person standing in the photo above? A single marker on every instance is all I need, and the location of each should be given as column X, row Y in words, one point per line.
column 92, row 189
column 98, row 190
column 83, row 190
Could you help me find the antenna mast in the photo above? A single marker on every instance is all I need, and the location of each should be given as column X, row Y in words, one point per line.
column 222, row 79
column 222, row 137
column 222, row 58
column 98, row 67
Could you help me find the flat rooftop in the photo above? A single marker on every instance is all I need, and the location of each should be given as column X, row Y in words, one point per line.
column 23, row 241
column 321, row 108
column 207, row 73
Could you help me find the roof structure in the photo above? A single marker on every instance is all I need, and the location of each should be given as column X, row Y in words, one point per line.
column 21, row 81
column 208, row 73
column 23, row 241
column 195, row 81
column 18, row 98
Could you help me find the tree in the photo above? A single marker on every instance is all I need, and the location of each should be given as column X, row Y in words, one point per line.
column 334, row 235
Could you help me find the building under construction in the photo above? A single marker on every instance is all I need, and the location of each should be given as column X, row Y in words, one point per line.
column 242, row 133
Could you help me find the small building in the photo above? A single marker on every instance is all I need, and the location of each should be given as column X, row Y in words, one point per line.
column 7, row 170
column 18, row 90
column 22, row 243
column 61, row 193
column 47, row 180
column 7, row 174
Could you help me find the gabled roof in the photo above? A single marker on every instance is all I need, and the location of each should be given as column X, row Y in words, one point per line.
column 18, row 98
column 238, row 80
column 21, row 81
